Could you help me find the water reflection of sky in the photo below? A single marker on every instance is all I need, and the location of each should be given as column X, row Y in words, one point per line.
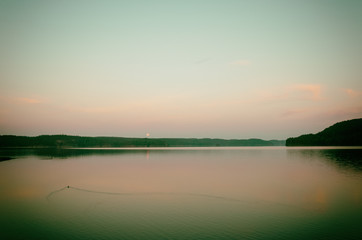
column 250, row 189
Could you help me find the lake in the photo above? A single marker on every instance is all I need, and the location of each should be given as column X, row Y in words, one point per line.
column 181, row 193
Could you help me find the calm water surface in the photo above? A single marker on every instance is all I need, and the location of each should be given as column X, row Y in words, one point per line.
column 188, row 193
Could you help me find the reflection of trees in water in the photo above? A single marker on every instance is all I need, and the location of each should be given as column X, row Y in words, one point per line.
column 342, row 158
column 63, row 153
column 348, row 159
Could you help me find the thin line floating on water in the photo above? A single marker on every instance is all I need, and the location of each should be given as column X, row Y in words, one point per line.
column 202, row 195
column 142, row 193
column 56, row 191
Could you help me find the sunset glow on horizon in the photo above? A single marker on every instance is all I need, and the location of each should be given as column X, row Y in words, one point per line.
column 219, row 69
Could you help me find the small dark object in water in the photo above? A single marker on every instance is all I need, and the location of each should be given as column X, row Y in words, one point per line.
column 5, row 158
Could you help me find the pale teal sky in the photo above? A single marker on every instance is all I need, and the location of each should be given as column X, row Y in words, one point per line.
column 228, row 69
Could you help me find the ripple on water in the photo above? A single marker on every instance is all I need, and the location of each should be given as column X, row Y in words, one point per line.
column 176, row 216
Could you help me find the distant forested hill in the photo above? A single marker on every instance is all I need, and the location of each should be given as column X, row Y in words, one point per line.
column 346, row 133
column 66, row 141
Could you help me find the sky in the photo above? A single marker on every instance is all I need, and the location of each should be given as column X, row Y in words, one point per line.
column 214, row 69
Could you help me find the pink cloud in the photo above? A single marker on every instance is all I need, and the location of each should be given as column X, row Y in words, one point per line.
column 28, row 100
column 22, row 100
column 96, row 110
column 307, row 91
column 352, row 93
column 293, row 112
